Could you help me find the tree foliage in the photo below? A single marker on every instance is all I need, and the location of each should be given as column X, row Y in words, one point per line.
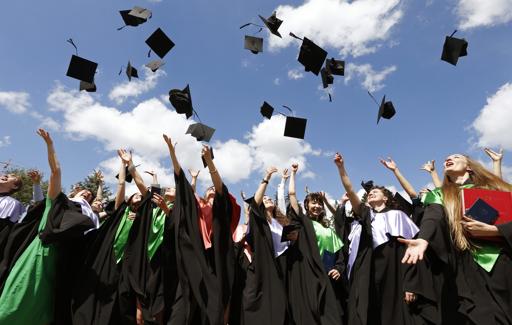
column 25, row 194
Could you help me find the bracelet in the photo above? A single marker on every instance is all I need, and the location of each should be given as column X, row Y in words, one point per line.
column 213, row 171
column 264, row 181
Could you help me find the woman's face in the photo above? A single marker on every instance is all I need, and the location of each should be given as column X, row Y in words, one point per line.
column 268, row 203
column 315, row 208
column 210, row 193
column 84, row 194
column 376, row 197
column 170, row 193
column 455, row 164
column 8, row 182
column 97, row 206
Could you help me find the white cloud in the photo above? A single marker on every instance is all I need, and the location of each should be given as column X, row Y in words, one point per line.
column 493, row 123
column 295, row 74
column 369, row 78
column 15, row 101
column 277, row 82
column 352, row 27
column 136, row 87
column 5, row 141
column 483, row 13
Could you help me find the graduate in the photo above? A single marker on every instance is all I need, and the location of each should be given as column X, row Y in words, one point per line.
column 478, row 253
column 380, row 285
column 37, row 272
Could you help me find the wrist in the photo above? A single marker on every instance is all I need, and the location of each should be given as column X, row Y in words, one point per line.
column 264, row 181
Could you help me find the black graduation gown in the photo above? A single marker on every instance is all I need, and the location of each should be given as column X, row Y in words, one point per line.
column 378, row 282
column 310, row 294
column 94, row 299
column 206, row 277
column 140, row 274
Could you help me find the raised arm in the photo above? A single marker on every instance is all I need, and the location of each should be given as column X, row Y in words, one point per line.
column 430, row 167
column 391, row 165
column 328, row 204
column 292, row 194
column 154, row 177
column 126, row 156
column 214, row 173
column 345, row 180
column 37, row 191
column 172, row 154
column 194, row 175
column 258, row 196
column 281, row 200
column 121, row 186
column 99, row 180
column 54, row 184
column 496, row 158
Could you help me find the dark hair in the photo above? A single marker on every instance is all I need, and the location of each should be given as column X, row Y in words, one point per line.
column 390, row 203
column 315, row 197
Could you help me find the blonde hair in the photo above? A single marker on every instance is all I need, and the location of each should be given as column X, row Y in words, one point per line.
column 481, row 178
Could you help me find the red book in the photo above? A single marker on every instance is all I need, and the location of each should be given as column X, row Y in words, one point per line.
column 501, row 201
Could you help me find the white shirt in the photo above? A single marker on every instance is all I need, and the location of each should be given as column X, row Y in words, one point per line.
column 11, row 209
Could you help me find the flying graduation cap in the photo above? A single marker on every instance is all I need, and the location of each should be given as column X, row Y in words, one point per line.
column 335, row 67
column 155, row 65
column 134, row 17
column 454, row 48
column 267, row 110
column 131, row 72
column 311, row 56
column 160, row 43
column 295, row 127
column 386, row 108
column 253, row 44
column 80, row 68
column 200, row 131
column 273, row 23
column 88, row 87
column 327, row 78
column 181, row 100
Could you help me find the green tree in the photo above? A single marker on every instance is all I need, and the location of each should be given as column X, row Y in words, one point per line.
column 25, row 194
column 91, row 182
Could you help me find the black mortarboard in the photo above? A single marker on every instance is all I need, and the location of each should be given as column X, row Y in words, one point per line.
column 386, row 110
column 181, row 100
column 454, row 48
column 335, row 67
column 288, row 229
column 266, row 110
column 131, row 72
column 327, row 78
column 204, row 161
column 253, row 44
column 142, row 13
column 81, row 69
column 128, row 176
column 273, row 23
column 367, row 186
column 160, row 43
column 135, row 16
column 201, row 132
column 402, row 204
column 155, row 65
column 295, row 127
column 482, row 211
column 87, row 86
column 311, row 56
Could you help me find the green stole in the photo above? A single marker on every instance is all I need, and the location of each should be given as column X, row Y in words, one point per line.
column 486, row 254
column 326, row 239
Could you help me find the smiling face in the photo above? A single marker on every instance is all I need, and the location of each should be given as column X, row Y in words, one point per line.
column 268, row 203
column 456, row 164
column 315, row 208
column 376, row 197
column 9, row 183
column 85, row 194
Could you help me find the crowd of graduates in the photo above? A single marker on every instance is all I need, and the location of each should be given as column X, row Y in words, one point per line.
column 173, row 256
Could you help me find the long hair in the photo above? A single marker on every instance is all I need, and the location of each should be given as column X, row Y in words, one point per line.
column 316, row 197
column 481, row 178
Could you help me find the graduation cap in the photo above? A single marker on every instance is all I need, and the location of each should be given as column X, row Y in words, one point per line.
column 155, row 65
column 335, row 67
column 295, row 127
column 204, row 161
column 181, row 100
column 128, row 176
column 288, row 229
column 327, row 78
column 131, row 72
column 367, row 186
column 266, row 110
column 482, row 211
column 454, row 48
column 386, row 108
column 81, row 69
column 88, row 86
column 402, row 204
column 201, row 132
column 273, row 23
column 135, row 17
column 160, row 43
column 311, row 55
column 253, row 44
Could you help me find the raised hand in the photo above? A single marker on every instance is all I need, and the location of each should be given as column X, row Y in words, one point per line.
column 35, row 176
column 295, row 168
column 284, row 174
column 270, row 171
column 194, row 173
column 45, row 135
column 169, row 143
column 495, row 156
column 126, row 156
column 98, row 176
column 429, row 166
column 415, row 250
column 206, row 153
column 389, row 164
column 338, row 160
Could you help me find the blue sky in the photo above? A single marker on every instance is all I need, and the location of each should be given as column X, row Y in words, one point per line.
column 391, row 46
